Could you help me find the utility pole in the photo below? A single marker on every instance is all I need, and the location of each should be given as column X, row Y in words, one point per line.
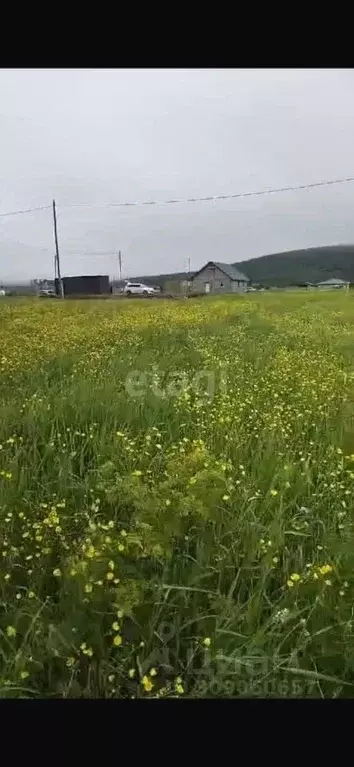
column 56, row 259
column 189, row 276
column 120, row 264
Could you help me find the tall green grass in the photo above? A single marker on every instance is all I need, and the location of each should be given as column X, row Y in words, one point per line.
column 193, row 538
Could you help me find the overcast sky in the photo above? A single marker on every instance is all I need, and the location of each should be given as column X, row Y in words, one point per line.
column 99, row 136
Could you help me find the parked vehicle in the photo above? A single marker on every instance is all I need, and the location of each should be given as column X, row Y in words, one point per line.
column 138, row 289
column 47, row 293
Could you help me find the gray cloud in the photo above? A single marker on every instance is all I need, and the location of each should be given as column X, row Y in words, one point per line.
column 97, row 136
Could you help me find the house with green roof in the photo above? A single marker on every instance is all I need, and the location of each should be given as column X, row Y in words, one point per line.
column 218, row 277
column 334, row 283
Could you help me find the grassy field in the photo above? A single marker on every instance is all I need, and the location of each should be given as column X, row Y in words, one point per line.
column 176, row 497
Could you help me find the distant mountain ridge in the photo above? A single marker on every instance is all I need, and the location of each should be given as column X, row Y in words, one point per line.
column 297, row 266
column 292, row 267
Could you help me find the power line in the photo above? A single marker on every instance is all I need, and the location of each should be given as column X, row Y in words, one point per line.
column 88, row 253
column 237, row 195
column 211, row 197
column 28, row 210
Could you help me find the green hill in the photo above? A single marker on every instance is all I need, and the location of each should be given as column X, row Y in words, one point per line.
column 293, row 267
column 298, row 266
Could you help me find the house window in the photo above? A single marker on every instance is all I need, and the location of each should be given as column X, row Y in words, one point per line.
column 221, row 284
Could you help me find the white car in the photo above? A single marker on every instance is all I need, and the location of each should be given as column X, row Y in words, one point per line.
column 48, row 293
column 138, row 289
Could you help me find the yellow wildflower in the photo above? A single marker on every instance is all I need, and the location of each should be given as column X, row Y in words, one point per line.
column 147, row 684
column 179, row 686
column 117, row 640
column 86, row 650
column 295, row 577
column 325, row 569
column 90, row 552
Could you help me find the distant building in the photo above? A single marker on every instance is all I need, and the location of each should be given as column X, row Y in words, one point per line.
column 88, row 285
column 217, row 277
column 118, row 286
column 176, row 287
column 43, row 285
column 333, row 284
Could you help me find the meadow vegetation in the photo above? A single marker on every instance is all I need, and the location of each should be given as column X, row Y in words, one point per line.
column 176, row 497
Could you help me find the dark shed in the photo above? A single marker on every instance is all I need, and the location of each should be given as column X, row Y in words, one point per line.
column 89, row 285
